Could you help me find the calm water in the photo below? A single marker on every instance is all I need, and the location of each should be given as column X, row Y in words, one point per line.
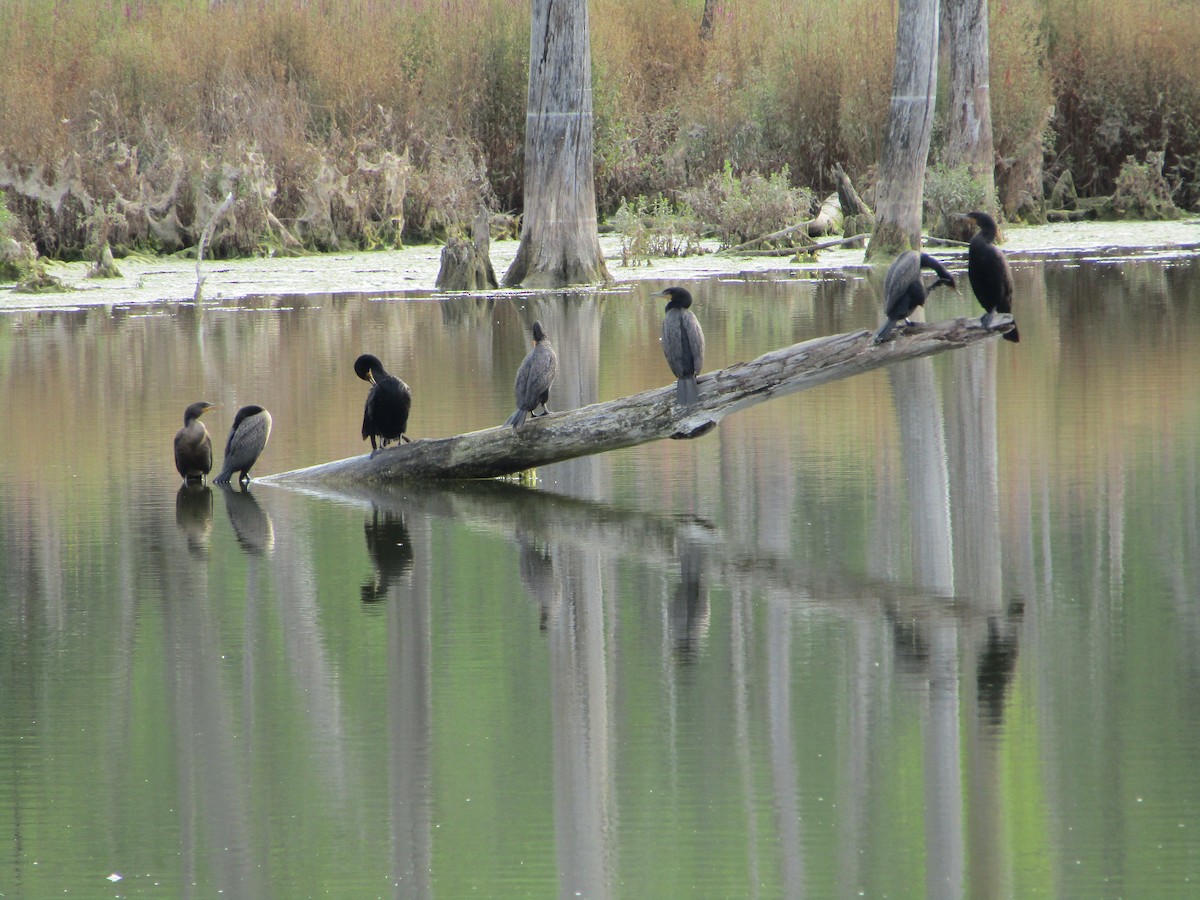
column 932, row 631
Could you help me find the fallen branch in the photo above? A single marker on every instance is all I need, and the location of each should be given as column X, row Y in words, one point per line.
column 828, row 219
column 205, row 236
column 641, row 418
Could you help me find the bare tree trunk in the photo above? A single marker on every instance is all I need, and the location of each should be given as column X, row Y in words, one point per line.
column 909, row 127
column 559, row 242
column 969, row 126
column 706, row 20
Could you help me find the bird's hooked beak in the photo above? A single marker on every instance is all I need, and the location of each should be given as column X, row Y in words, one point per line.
column 371, row 376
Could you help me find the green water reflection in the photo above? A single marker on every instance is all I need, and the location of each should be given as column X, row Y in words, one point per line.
column 927, row 632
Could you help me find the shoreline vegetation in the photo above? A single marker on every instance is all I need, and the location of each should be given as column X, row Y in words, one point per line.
column 358, row 125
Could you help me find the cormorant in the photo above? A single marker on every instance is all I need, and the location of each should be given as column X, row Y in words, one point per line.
column 193, row 446
column 903, row 289
column 247, row 437
column 991, row 278
column 682, row 343
column 386, row 412
column 534, row 378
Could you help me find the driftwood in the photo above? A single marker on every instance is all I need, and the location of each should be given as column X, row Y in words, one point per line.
column 641, row 418
column 827, row 219
column 205, row 237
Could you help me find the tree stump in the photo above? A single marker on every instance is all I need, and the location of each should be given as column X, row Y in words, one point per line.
column 467, row 264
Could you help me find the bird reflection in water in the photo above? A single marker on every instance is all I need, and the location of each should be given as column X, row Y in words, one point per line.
column 390, row 551
column 251, row 524
column 194, row 515
column 688, row 617
column 537, row 574
column 997, row 663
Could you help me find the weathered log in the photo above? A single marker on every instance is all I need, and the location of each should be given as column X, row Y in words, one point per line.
column 849, row 200
column 641, row 418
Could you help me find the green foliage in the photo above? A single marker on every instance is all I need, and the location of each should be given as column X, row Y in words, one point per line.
column 1142, row 192
column 740, row 207
column 950, row 193
column 652, row 228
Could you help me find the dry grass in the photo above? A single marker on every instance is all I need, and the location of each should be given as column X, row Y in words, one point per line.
column 163, row 104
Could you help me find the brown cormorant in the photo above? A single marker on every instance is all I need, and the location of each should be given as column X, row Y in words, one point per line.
column 903, row 289
column 386, row 412
column 247, row 437
column 991, row 278
column 682, row 343
column 193, row 446
column 534, row 378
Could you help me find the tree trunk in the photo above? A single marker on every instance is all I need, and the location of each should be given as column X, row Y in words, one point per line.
column 648, row 416
column 969, row 123
column 560, row 245
column 707, row 19
column 909, row 127
column 466, row 265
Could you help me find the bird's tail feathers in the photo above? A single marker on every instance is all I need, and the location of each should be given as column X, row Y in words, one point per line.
column 686, row 392
column 517, row 419
column 1014, row 335
column 884, row 330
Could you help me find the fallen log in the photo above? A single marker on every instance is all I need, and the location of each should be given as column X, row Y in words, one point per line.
column 638, row 419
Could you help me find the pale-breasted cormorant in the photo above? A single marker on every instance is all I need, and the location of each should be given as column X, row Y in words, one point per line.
column 991, row 278
column 193, row 446
column 386, row 412
column 247, row 437
column 682, row 343
column 903, row 289
column 532, row 387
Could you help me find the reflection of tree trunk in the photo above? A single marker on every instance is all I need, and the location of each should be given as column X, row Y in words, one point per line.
column 909, row 128
column 944, row 849
column 923, row 461
column 559, row 241
column 974, row 479
column 211, row 778
column 577, row 325
column 579, row 696
column 410, row 721
column 784, row 777
column 706, row 20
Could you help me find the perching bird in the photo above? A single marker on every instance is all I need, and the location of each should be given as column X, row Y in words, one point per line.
column 991, row 278
column 682, row 343
column 193, row 446
column 247, row 437
column 903, row 289
column 386, row 412
column 534, row 378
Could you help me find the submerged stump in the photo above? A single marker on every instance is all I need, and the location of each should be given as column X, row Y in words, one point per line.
column 649, row 416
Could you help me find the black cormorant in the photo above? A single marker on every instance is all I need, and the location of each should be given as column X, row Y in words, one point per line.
column 534, row 378
column 682, row 343
column 991, row 278
column 903, row 289
column 247, row 437
column 386, row 412
column 193, row 446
